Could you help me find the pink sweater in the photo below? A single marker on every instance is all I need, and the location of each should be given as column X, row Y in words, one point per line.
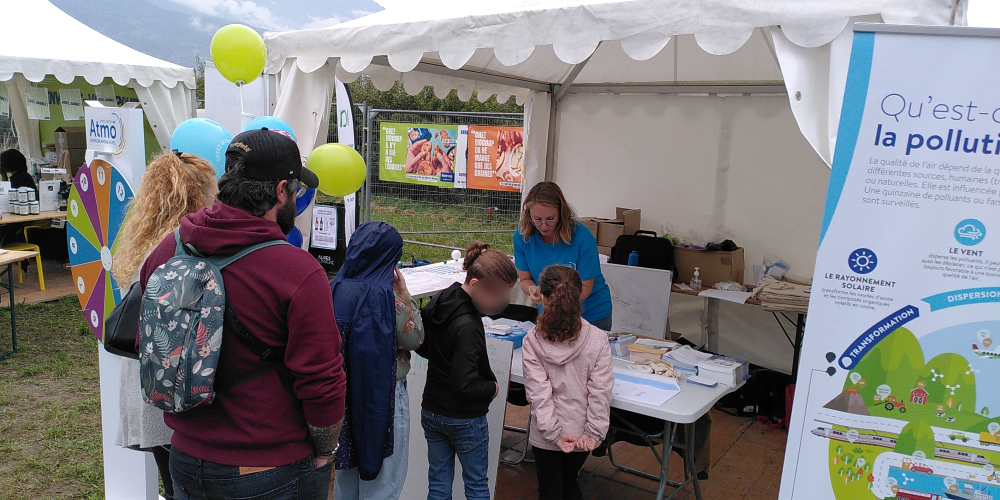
column 569, row 386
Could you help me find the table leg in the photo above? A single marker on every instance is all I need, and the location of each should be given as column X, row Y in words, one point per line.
column 668, row 441
column 712, row 326
column 13, row 323
column 690, row 473
column 689, row 457
column 800, row 327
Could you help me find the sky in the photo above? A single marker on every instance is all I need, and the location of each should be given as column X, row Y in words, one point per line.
column 280, row 15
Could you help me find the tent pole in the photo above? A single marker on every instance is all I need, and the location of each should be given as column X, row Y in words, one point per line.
column 550, row 142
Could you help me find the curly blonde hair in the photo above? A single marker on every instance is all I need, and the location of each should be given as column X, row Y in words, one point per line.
column 174, row 185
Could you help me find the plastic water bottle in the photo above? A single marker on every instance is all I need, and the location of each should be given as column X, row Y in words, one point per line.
column 633, row 258
column 695, row 280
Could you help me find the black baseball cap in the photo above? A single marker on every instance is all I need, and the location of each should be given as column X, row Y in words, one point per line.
column 270, row 156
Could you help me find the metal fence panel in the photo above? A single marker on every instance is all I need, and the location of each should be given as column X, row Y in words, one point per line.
column 435, row 220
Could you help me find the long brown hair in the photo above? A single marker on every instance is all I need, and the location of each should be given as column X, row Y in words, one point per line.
column 560, row 319
column 481, row 261
column 173, row 186
column 548, row 194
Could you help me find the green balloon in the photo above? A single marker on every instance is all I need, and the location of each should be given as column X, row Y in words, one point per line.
column 341, row 170
column 238, row 53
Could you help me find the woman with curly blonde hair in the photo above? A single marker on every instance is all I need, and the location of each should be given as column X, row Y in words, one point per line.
column 173, row 186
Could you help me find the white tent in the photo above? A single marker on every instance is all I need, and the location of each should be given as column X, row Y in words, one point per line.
column 38, row 39
column 713, row 117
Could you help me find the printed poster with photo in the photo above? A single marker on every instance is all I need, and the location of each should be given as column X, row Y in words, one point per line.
column 496, row 158
column 418, row 154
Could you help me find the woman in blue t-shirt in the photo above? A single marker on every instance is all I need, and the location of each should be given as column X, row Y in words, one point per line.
column 547, row 235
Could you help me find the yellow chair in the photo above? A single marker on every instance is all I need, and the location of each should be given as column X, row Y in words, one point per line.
column 28, row 247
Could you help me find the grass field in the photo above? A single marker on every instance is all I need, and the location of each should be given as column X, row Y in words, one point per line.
column 50, row 407
column 408, row 215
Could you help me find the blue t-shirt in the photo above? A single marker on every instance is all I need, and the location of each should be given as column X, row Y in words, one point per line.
column 534, row 256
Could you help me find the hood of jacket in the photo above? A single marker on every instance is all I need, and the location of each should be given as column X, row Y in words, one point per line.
column 449, row 304
column 560, row 353
column 372, row 255
column 225, row 230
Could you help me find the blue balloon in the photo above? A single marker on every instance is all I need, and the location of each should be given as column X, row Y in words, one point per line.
column 271, row 123
column 205, row 138
column 303, row 198
column 295, row 237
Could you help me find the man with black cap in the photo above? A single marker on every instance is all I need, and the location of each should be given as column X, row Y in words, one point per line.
column 275, row 434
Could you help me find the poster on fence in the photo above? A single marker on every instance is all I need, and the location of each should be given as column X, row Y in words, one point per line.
column 496, row 158
column 418, row 154
column 895, row 396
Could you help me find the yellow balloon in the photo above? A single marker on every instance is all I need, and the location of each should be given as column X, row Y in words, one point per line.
column 238, row 53
column 341, row 170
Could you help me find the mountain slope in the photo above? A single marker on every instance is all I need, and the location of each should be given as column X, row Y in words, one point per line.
column 167, row 34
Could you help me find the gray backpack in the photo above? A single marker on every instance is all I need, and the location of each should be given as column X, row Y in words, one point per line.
column 184, row 314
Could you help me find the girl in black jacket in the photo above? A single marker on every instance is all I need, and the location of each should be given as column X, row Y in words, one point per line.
column 460, row 383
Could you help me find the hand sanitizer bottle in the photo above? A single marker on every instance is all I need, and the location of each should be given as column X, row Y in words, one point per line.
column 695, row 280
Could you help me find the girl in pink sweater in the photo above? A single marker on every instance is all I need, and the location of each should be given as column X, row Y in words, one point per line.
column 568, row 380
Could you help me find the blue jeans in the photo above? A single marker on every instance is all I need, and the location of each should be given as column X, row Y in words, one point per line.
column 347, row 485
column 603, row 324
column 200, row 480
column 468, row 438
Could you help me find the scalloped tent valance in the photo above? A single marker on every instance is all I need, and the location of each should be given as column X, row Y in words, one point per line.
column 540, row 40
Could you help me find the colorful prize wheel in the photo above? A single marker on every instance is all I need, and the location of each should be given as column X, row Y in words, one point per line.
column 98, row 202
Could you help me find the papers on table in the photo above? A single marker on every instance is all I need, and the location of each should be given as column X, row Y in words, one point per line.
column 644, row 388
column 737, row 297
column 427, row 280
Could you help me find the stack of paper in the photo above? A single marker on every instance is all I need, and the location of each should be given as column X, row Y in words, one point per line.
column 619, row 344
column 650, row 349
column 729, row 372
column 685, row 359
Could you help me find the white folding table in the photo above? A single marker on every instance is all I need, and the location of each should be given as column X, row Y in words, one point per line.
column 692, row 403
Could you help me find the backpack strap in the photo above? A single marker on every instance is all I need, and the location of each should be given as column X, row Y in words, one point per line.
column 223, row 262
column 231, row 323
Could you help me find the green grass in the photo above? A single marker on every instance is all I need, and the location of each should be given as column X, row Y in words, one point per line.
column 50, row 411
column 408, row 215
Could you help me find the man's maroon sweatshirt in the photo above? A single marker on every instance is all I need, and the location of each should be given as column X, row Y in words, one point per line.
column 282, row 295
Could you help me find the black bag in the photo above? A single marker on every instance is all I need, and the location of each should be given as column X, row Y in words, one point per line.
column 654, row 252
column 122, row 326
column 762, row 395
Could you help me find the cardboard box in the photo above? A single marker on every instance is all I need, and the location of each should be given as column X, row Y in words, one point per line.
column 608, row 231
column 71, row 138
column 604, row 250
column 630, row 217
column 713, row 267
column 589, row 223
column 71, row 160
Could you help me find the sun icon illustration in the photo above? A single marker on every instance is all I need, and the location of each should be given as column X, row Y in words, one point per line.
column 863, row 261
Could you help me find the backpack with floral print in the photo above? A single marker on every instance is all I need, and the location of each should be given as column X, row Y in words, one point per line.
column 184, row 313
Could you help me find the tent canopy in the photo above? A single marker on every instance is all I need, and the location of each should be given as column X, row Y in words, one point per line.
column 540, row 41
column 38, row 39
column 713, row 117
